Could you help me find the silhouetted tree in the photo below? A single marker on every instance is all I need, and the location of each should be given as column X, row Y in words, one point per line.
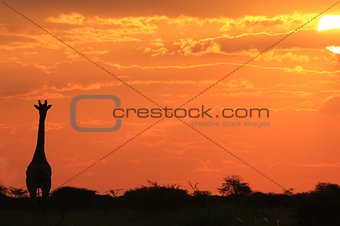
column 233, row 185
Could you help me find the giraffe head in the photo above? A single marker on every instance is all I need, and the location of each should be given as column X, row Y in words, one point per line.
column 43, row 108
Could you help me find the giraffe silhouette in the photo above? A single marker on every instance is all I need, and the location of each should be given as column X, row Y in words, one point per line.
column 38, row 173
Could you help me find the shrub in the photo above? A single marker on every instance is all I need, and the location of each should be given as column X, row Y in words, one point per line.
column 156, row 197
column 70, row 197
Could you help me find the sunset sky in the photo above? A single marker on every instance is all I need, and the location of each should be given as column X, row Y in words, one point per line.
column 170, row 51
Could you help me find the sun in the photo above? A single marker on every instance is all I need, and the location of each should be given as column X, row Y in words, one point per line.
column 329, row 22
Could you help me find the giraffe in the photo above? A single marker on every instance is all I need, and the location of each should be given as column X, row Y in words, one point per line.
column 38, row 173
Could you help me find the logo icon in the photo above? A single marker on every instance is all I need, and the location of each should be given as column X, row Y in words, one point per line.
column 73, row 113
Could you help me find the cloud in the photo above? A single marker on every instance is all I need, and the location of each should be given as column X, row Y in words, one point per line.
column 265, row 24
column 189, row 47
column 18, row 78
column 101, row 29
column 214, row 33
column 52, row 126
column 285, row 55
column 14, row 39
column 225, row 44
column 83, row 87
column 72, row 18
column 78, row 163
column 297, row 68
column 317, row 165
column 331, row 105
column 100, row 35
column 130, row 39
column 156, row 48
column 53, row 92
column 217, row 167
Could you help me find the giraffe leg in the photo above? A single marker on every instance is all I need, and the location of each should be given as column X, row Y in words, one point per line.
column 44, row 199
column 38, row 195
column 33, row 194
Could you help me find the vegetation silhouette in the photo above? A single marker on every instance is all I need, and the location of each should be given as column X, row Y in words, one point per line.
column 233, row 185
column 320, row 207
column 156, row 197
column 73, row 198
column 156, row 204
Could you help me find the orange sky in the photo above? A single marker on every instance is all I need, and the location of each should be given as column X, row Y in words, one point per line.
column 170, row 51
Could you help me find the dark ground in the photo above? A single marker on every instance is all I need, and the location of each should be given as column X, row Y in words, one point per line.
column 160, row 205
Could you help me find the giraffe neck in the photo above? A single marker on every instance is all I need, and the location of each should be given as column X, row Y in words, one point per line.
column 39, row 153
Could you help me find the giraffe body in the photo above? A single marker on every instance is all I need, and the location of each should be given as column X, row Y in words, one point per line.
column 38, row 173
column 38, row 176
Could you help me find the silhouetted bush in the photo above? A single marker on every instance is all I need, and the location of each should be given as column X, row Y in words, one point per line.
column 3, row 191
column 317, row 209
column 199, row 197
column 156, row 197
column 70, row 197
column 196, row 192
column 321, row 206
column 14, row 198
column 17, row 192
column 327, row 188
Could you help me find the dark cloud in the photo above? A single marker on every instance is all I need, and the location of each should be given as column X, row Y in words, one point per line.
column 200, row 8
